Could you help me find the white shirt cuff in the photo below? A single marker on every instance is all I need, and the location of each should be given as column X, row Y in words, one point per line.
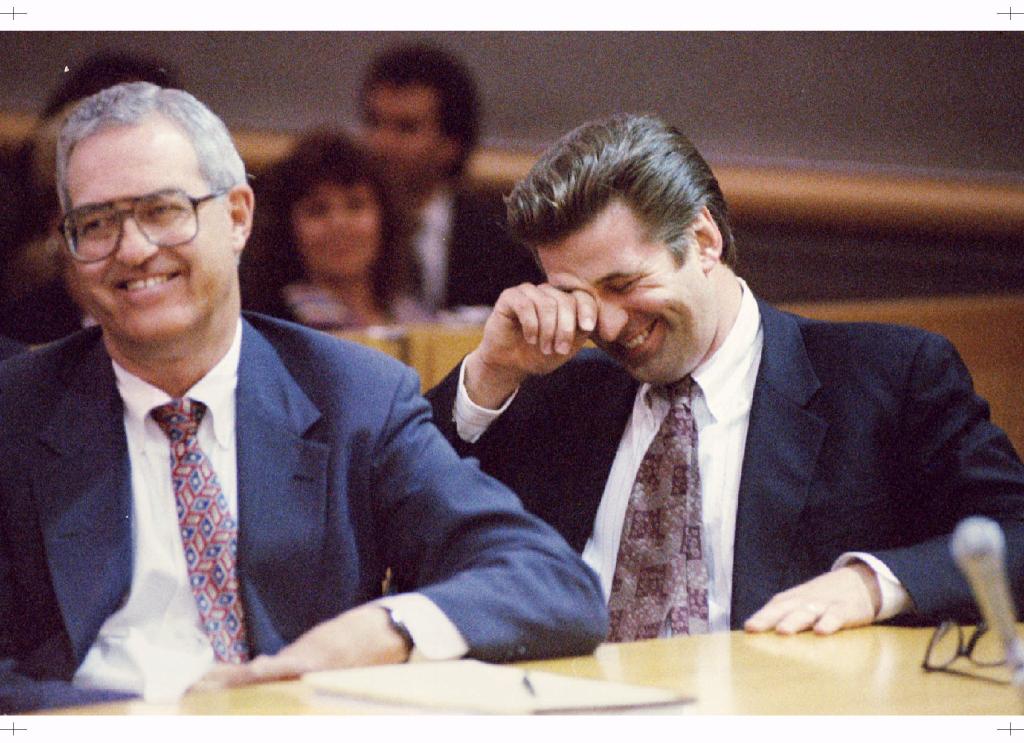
column 434, row 636
column 895, row 599
column 471, row 420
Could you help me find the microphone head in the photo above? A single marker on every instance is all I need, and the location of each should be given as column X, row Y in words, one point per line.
column 976, row 537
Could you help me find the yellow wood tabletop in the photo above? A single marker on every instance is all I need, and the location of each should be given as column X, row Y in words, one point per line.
column 869, row 671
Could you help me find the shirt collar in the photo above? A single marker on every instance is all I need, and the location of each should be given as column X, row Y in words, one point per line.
column 216, row 390
column 719, row 377
column 436, row 212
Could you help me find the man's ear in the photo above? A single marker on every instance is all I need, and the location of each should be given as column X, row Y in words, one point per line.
column 240, row 208
column 709, row 239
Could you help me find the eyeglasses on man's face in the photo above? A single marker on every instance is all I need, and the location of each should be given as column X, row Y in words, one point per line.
column 949, row 643
column 165, row 218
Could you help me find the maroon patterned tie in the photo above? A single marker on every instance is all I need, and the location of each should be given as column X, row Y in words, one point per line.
column 661, row 578
column 208, row 531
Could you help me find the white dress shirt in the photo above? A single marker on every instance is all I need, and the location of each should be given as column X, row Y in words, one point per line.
column 430, row 243
column 721, row 410
column 154, row 645
column 723, row 396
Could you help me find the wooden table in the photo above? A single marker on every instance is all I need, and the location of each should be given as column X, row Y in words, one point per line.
column 869, row 671
column 872, row 671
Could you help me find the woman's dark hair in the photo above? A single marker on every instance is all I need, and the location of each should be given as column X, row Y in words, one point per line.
column 272, row 260
column 104, row 70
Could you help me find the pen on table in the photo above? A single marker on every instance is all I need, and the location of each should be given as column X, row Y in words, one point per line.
column 528, row 686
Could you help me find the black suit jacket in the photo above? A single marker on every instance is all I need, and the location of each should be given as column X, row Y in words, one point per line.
column 862, row 437
column 482, row 259
column 9, row 347
column 341, row 475
column 47, row 313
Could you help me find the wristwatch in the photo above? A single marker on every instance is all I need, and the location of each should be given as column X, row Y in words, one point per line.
column 398, row 625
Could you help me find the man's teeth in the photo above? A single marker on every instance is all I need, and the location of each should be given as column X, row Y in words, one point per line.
column 637, row 340
column 145, row 283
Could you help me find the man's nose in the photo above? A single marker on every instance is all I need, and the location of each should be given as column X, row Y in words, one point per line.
column 133, row 247
column 611, row 319
column 380, row 137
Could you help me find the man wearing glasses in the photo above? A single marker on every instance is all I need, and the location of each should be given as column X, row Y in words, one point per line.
column 191, row 495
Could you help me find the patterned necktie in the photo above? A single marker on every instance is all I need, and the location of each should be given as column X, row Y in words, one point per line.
column 661, row 578
column 208, row 531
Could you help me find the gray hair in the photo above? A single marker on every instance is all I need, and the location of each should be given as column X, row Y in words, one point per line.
column 639, row 160
column 128, row 104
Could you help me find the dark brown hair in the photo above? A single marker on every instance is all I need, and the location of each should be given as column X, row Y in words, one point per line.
column 649, row 166
column 273, row 260
column 458, row 103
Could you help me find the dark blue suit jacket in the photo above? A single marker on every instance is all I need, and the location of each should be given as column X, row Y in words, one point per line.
column 862, row 437
column 341, row 474
column 10, row 347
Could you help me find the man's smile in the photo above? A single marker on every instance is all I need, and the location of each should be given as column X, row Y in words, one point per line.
column 148, row 282
column 637, row 340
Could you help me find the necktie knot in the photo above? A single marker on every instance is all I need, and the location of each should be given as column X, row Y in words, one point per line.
column 680, row 388
column 180, row 418
column 679, row 395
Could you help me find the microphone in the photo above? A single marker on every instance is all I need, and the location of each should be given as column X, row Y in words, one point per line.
column 979, row 548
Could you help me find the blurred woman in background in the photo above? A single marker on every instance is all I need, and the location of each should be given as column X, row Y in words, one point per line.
column 329, row 247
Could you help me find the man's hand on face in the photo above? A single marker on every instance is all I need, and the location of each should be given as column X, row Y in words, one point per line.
column 532, row 330
column 360, row 637
column 847, row 597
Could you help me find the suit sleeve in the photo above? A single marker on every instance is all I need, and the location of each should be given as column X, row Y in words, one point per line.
column 508, row 581
column 964, row 465
column 20, row 692
column 442, row 401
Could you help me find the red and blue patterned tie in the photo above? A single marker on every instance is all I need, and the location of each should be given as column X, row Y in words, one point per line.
column 660, row 584
column 209, row 534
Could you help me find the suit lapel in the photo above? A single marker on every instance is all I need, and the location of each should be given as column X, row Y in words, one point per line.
column 282, row 484
column 82, row 478
column 782, row 447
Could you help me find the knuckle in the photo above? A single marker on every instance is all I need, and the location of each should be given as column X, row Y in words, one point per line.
column 546, row 301
column 511, row 295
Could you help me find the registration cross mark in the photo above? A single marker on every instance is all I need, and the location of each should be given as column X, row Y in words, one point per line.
column 1011, row 14
column 12, row 729
column 1010, row 729
column 17, row 12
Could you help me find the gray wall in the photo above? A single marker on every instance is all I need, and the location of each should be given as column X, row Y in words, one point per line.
column 933, row 101
column 948, row 103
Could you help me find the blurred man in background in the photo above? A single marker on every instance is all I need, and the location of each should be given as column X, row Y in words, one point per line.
column 421, row 116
